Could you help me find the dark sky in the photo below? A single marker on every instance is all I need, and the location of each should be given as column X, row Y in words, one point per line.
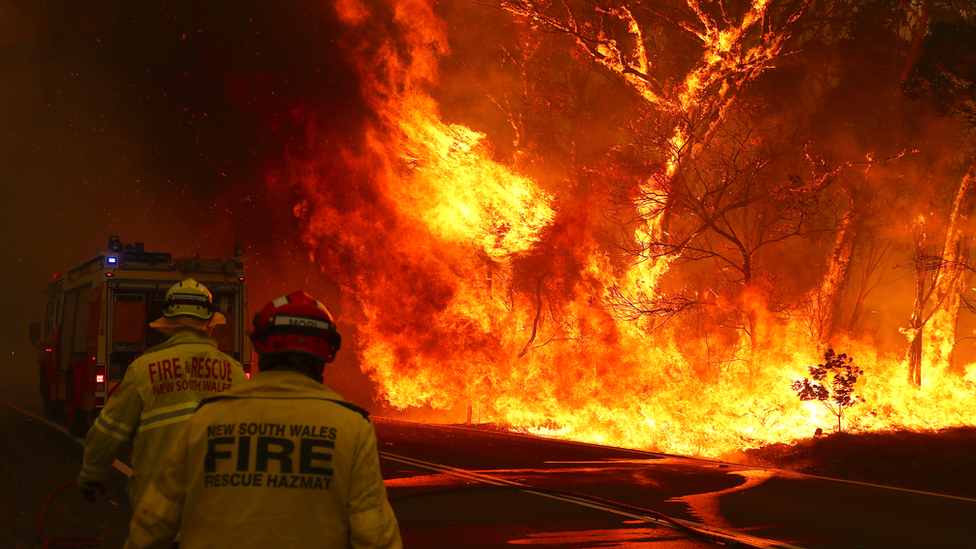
column 161, row 123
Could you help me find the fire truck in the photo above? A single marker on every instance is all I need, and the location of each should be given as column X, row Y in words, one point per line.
column 98, row 315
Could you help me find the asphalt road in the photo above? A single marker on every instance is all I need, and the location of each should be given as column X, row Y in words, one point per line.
column 463, row 479
column 35, row 459
column 456, row 486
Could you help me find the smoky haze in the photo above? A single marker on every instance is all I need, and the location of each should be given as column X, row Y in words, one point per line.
column 475, row 196
column 161, row 124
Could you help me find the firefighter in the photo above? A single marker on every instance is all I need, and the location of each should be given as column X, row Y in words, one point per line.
column 161, row 390
column 281, row 461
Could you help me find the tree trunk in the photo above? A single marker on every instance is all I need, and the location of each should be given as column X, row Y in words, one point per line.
column 951, row 278
column 915, row 357
column 831, row 293
column 830, row 296
column 918, row 34
column 917, row 320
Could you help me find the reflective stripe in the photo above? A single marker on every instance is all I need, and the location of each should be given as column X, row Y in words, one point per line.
column 187, row 297
column 119, row 430
column 85, row 471
column 148, row 423
column 303, row 321
column 279, row 301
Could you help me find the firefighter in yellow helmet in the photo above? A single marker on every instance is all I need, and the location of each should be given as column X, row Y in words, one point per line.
column 160, row 390
column 281, row 461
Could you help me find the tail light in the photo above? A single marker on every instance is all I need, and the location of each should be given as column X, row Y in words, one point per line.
column 100, row 378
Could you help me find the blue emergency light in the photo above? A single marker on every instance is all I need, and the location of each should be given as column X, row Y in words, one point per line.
column 113, row 260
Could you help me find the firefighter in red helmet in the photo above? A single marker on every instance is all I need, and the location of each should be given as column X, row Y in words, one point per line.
column 281, row 461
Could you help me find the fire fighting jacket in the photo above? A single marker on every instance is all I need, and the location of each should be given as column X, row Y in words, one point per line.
column 160, row 391
column 280, row 461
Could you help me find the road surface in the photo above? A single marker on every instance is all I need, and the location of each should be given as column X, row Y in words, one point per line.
column 486, row 489
column 457, row 486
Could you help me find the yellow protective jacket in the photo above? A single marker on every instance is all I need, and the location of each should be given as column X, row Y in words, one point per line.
column 280, row 461
column 160, row 391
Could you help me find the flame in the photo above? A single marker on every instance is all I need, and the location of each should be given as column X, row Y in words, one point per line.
column 486, row 205
column 482, row 291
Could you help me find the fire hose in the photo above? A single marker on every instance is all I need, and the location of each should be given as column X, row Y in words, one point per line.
column 697, row 532
column 62, row 541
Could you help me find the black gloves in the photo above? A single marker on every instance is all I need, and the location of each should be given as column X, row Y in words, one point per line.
column 88, row 489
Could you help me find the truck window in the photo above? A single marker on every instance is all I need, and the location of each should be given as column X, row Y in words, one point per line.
column 74, row 329
column 59, row 311
column 82, row 313
column 128, row 322
column 155, row 302
column 132, row 311
column 226, row 304
column 49, row 317
column 67, row 329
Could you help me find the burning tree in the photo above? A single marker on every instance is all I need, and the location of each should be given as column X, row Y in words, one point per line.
column 878, row 43
column 724, row 48
column 837, row 394
column 944, row 73
column 514, row 231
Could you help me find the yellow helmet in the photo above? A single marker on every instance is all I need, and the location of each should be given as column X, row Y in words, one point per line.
column 189, row 298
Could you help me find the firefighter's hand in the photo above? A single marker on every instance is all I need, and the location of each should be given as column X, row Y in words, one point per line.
column 88, row 489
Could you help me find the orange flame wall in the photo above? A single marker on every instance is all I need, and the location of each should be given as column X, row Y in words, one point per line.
column 480, row 288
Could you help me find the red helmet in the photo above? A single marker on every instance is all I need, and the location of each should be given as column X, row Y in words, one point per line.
column 296, row 323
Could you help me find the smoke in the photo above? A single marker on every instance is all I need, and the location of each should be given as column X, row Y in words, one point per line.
column 160, row 124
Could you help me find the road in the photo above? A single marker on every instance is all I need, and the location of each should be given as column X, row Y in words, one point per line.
column 457, row 486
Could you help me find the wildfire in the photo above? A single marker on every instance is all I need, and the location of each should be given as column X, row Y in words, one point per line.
column 483, row 290
column 488, row 205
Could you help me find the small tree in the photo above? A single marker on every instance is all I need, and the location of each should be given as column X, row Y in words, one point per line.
column 837, row 394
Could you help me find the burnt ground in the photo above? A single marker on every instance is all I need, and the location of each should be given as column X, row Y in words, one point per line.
column 943, row 462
